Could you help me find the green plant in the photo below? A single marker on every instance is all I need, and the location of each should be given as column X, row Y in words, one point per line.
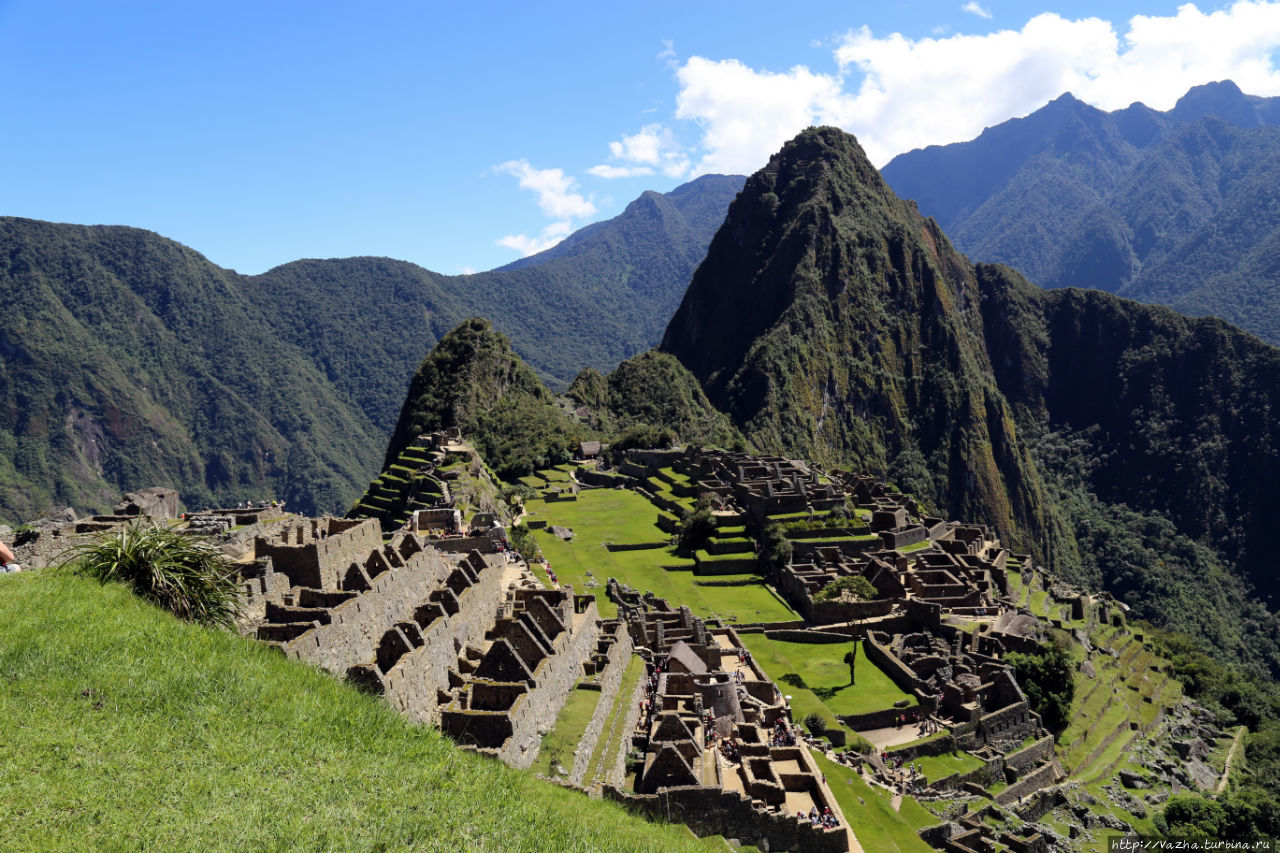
column 857, row 585
column 186, row 576
column 814, row 722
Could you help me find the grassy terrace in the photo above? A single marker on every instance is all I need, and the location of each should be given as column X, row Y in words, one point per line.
column 870, row 813
column 937, row 767
column 129, row 730
column 817, row 678
column 620, row 516
column 559, row 743
column 615, row 732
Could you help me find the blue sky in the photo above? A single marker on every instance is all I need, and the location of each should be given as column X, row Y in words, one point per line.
column 460, row 138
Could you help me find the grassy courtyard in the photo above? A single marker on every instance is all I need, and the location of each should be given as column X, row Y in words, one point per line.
column 817, row 678
column 601, row 516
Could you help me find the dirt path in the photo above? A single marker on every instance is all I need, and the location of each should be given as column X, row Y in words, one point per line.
column 1231, row 756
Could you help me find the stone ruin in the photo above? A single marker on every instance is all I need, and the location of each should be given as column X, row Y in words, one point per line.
column 719, row 751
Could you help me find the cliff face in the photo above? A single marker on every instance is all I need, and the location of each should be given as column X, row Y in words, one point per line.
column 831, row 320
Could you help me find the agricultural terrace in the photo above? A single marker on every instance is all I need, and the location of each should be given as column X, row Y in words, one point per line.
column 817, row 678
column 618, row 516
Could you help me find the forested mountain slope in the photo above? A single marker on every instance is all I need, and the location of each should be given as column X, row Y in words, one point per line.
column 129, row 360
column 1176, row 208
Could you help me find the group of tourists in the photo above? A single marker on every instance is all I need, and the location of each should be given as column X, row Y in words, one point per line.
column 782, row 734
column 826, row 819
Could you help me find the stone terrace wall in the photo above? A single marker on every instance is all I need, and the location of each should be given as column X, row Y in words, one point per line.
column 412, row 684
column 713, row 811
column 1041, row 777
column 357, row 625
column 1024, row 759
column 619, row 656
column 536, row 712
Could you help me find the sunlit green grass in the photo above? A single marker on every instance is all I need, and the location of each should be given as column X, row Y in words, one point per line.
column 870, row 813
column 817, row 678
column 601, row 516
column 125, row 729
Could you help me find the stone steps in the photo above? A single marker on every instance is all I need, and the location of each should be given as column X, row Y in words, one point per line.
column 283, row 632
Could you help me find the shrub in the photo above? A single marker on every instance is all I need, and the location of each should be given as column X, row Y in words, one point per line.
column 186, row 576
column 815, row 724
column 858, row 586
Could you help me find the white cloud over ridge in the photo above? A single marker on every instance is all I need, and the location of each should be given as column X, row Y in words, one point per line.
column 557, row 197
column 526, row 245
column 555, row 190
column 654, row 149
column 897, row 93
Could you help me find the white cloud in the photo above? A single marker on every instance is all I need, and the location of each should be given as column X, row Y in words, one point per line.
column 973, row 8
column 897, row 93
column 526, row 245
column 745, row 115
column 654, row 149
column 606, row 171
column 467, row 270
column 554, row 188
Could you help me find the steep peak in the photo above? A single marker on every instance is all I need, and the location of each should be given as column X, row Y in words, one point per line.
column 820, row 150
column 467, row 373
column 1221, row 98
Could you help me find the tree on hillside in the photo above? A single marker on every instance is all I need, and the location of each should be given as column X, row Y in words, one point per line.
column 1046, row 677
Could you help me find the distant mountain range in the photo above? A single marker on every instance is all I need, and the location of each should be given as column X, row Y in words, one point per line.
column 1179, row 208
column 128, row 360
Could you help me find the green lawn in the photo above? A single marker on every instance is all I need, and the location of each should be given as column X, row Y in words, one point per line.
column 126, row 729
column 817, row 678
column 559, row 743
column 869, row 812
column 937, row 767
column 620, row 516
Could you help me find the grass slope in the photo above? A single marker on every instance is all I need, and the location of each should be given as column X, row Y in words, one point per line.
column 127, row 729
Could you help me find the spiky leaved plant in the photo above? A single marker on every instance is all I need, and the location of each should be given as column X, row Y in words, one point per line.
column 183, row 574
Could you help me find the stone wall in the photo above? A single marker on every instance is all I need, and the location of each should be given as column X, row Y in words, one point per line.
column 899, row 673
column 412, row 685
column 610, row 680
column 466, row 544
column 356, row 626
column 535, row 713
column 1024, row 759
column 321, row 563
column 1041, row 777
column 903, row 538
column 713, row 811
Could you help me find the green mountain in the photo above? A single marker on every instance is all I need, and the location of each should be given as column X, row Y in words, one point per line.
column 130, row 360
column 1170, row 207
column 1122, row 443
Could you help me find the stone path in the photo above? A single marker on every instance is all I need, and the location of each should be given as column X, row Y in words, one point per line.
column 1231, row 756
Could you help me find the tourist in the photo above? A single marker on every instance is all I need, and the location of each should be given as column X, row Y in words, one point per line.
column 7, row 563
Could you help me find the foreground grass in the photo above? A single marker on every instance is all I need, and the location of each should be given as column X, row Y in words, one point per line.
column 126, row 729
